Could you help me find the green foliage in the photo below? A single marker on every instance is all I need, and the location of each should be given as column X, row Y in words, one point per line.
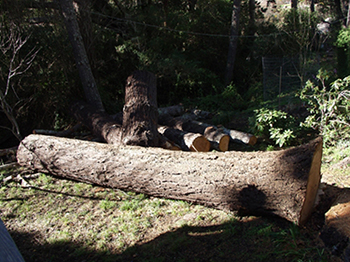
column 329, row 106
column 275, row 124
column 343, row 39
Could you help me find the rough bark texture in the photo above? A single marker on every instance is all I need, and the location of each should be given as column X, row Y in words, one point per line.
column 100, row 123
column 284, row 183
column 140, row 112
column 81, row 59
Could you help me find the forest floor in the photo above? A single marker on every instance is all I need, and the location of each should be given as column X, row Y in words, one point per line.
column 52, row 219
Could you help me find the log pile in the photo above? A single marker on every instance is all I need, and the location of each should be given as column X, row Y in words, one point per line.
column 142, row 123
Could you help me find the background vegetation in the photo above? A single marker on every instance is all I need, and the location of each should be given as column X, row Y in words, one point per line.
column 185, row 43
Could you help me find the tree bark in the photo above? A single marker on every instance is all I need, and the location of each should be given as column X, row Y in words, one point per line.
column 81, row 59
column 140, row 112
column 283, row 183
column 233, row 41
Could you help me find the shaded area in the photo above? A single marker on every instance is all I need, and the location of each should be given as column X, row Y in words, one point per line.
column 249, row 239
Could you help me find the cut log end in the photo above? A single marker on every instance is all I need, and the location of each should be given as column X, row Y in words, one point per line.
column 200, row 144
column 313, row 183
column 224, row 143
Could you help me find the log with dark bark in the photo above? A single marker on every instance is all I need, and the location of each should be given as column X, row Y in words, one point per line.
column 283, row 183
column 187, row 141
column 79, row 52
column 100, row 123
column 140, row 112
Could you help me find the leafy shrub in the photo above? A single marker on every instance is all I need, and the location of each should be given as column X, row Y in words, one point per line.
column 329, row 107
column 277, row 125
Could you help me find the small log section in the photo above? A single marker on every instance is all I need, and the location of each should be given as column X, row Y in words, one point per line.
column 283, row 183
column 140, row 112
column 217, row 138
column 187, row 141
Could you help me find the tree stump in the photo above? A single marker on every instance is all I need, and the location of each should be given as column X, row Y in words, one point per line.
column 140, row 112
column 283, row 183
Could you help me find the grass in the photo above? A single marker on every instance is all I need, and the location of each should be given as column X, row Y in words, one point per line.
column 63, row 220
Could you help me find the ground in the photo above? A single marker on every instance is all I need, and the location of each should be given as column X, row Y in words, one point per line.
column 61, row 220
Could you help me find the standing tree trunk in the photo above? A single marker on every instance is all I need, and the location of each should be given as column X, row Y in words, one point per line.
column 294, row 4
column 140, row 112
column 81, row 59
column 232, row 50
column 283, row 183
column 85, row 26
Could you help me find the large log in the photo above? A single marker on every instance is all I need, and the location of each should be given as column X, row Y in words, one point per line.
column 283, row 183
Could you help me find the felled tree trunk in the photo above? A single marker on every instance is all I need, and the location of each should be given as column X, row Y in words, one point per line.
column 284, row 183
column 140, row 112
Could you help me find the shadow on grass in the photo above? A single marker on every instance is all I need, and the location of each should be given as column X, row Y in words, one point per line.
column 249, row 239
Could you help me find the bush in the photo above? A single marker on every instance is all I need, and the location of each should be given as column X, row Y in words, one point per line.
column 274, row 124
column 329, row 107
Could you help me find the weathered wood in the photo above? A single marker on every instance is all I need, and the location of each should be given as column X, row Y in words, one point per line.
column 100, row 123
column 187, row 141
column 240, row 136
column 140, row 112
column 283, row 183
column 219, row 140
